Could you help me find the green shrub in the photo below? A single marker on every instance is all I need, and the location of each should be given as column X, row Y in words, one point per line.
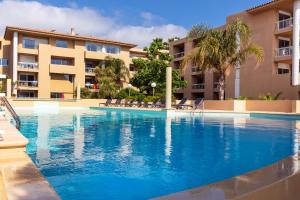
column 124, row 93
column 139, row 97
column 85, row 93
column 151, row 98
column 269, row 97
column 242, row 98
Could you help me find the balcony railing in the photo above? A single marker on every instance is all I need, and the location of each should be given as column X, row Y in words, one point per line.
column 198, row 86
column 179, row 55
column 216, row 85
column 284, row 24
column 196, row 69
column 27, row 65
column 27, row 83
column 89, row 70
column 285, row 51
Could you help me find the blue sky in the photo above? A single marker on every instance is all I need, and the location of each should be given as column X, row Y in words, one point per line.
column 181, row 12
column 134, row 21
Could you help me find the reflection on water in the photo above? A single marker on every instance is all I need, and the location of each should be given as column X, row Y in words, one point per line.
column 92, row 154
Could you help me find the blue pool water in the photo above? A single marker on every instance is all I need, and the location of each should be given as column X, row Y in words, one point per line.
column 117, row 154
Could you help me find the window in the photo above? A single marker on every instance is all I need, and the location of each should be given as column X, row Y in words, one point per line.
column 30, row 44
column 26, row 94
column 25, row 77
column 3, row 62
column 283, row 68
column 68, row 77
column 112, row 49
column 283, row 71
column 61, row 61
column 283, row 43
column 61, row 43
column 93, row 47
column 57, row 95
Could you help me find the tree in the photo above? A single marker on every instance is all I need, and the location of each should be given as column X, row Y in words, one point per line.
column 219, row 50
column 153, row 69
column 111, row 77
column 120, row 71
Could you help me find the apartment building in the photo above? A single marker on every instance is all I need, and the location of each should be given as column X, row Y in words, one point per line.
column 275, row 28
column 48, row 64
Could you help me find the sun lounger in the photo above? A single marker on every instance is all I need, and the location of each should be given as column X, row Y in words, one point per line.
column 117, row 103
column 107, row 103
column 198, row 102
column 182, row 104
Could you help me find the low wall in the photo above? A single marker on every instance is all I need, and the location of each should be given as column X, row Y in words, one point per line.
column 219, row 105
column 270, row 106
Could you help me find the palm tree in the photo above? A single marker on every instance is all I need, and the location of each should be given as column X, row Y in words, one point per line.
column 111, row 77
column 219, row 50
column 120, row 71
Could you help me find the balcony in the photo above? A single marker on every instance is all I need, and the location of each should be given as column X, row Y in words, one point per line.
column 284, row 54
column 284, row 27
column 198, row 86
column 26, row 66
column 196, row 70
column 179, row 55
column 216, row 85
column 27, row 85
column 90, row 70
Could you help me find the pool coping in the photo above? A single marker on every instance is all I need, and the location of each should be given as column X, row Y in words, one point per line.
column 20, row 178
column 276, row 181
column 245, row 185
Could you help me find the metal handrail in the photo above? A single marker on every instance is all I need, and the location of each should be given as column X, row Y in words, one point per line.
column 284, row 51
column 90, row 70
column 28, row 83
column 198, row 86
column 27, row 65
column 179, row 55
column 285, row 23
column 11, row 111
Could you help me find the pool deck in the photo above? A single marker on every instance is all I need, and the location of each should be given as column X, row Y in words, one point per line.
column 277, row 182
column 19, row 177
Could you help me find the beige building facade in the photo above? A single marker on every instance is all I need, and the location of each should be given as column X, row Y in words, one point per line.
column 47, row 64
column 275, row 28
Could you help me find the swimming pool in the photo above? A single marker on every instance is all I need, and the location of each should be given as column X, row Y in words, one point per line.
column 126, row 154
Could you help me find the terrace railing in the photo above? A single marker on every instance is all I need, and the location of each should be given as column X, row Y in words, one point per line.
column 179, row 55
column 27, row 65
column 284, row 51
column 284, row 24
column 196, row 70
column 216, row 84
column 89, row 70
column 27, row 83
column 198, row 86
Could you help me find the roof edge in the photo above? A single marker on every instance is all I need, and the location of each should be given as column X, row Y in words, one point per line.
column 65, row 35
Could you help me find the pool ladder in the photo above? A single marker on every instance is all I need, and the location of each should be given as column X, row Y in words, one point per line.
column 4, row 102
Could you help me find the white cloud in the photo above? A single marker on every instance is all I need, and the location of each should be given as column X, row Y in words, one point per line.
column 147, row 16
column 32, row 14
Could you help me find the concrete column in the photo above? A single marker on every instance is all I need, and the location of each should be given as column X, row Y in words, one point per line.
column 78, row 91
column 15, row 61
column 237, row 71
column 296, row 55
column 169, row 88
column 8, row 88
